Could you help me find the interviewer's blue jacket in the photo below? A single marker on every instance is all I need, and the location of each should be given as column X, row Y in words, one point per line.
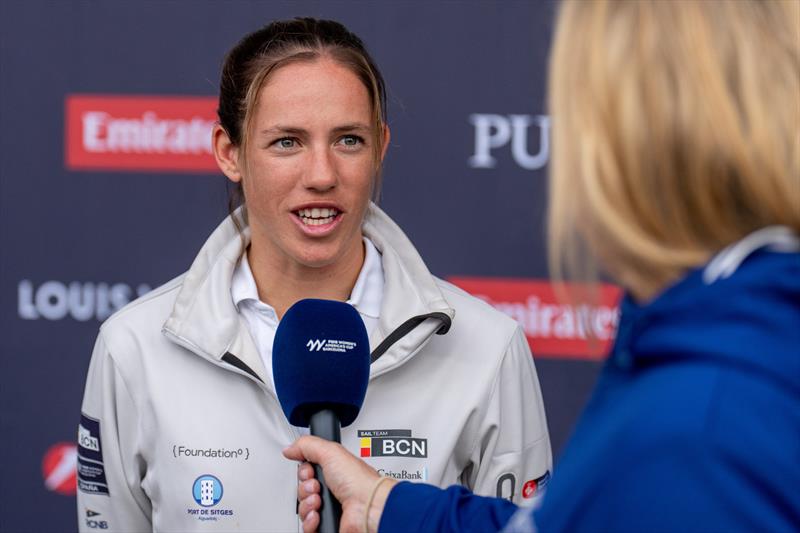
column 694, row 424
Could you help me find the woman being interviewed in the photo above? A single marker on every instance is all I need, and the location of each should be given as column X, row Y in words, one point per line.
column 676, row 164
column 181, row 429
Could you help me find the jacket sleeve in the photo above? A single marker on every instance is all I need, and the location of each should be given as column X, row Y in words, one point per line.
column 512, row 458
column 417, row 507
column 110, row 496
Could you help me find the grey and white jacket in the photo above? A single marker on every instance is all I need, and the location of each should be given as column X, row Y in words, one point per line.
column 179, row 432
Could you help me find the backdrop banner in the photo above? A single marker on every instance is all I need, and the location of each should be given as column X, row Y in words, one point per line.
column 108, row 188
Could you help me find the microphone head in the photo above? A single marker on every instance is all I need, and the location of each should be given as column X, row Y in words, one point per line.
column 320, row 360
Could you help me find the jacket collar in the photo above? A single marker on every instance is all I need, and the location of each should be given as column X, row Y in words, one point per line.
column 204, row 315
column 205, row 319
column 410, row 290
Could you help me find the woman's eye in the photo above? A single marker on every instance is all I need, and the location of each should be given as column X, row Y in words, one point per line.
column 286, row 143
column 351, row 140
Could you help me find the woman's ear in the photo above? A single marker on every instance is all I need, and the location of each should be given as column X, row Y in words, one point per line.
column 226, row 153
column 387, row 135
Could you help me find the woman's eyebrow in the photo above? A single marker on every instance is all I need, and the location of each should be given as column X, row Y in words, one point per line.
column 352, row 127
column 292, row 130
column 282, row 130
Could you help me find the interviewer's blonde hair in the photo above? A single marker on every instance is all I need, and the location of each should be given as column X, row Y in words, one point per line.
column 676, row 131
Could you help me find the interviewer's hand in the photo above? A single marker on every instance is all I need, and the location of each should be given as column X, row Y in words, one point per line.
column 350, row 480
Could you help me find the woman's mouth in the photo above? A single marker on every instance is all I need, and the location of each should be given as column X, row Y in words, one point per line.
column 317, row 216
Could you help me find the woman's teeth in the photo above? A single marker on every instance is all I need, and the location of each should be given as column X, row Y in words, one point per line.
column 317, row 216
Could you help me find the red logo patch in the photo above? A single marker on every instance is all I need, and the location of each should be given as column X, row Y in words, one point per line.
column 553, row 329
column 529, row 489
column 145, row 133
column 59, row 468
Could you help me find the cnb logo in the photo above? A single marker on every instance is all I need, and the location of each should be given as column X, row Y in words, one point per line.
column 391, row 443
column 207, row 490
column 495, row 131
column 315, row 345
column 93, row 522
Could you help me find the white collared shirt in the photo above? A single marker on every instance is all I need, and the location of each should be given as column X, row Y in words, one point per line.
column 262, row 320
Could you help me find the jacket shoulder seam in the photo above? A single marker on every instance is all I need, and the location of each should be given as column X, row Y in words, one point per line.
column 158, row 292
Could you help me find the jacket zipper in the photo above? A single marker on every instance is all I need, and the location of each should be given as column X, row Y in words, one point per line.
column 407, row 327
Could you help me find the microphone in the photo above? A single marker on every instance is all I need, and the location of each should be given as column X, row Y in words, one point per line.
column 320, row 362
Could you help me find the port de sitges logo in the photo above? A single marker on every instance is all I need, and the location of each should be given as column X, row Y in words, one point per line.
column 330, row 345
column 207, row 492
column 139, row 132
column 493, row 132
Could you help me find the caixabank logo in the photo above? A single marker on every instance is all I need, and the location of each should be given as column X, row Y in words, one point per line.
column 139, row 133
column 391, row 443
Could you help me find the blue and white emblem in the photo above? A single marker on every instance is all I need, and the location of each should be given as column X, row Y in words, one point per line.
column 207, row 490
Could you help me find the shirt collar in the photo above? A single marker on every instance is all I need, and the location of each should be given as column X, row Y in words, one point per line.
column 366, row 295
column 243, row 284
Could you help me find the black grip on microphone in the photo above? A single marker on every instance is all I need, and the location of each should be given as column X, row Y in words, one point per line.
column 320, row 362
column 325, row 424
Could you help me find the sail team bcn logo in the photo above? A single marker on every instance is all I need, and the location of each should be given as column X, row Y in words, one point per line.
column 391, row 443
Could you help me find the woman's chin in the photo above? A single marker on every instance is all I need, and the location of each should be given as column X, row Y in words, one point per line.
column 320, row 259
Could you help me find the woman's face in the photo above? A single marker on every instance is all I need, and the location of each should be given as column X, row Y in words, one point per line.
column 310, row 165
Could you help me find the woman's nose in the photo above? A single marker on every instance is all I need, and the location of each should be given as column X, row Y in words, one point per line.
column 321, row 174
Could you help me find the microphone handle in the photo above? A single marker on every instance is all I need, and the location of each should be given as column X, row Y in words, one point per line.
column 325, row 424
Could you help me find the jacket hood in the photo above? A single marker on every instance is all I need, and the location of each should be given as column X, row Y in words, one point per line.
column 748, row 319
column 205, row 318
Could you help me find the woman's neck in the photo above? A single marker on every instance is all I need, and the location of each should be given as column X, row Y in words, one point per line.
column 281, row 285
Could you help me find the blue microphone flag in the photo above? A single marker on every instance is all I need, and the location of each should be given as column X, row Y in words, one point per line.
column 320, row 360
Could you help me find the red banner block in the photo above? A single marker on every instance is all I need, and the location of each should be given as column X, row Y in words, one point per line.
column 139, row 133
column 553, row 328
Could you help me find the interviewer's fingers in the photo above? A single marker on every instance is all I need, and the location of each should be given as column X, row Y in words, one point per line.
column 308, row 505
column 348, row 478
column 307, row 488
column 310, row 449
column 311, row 522
column 305, row 471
